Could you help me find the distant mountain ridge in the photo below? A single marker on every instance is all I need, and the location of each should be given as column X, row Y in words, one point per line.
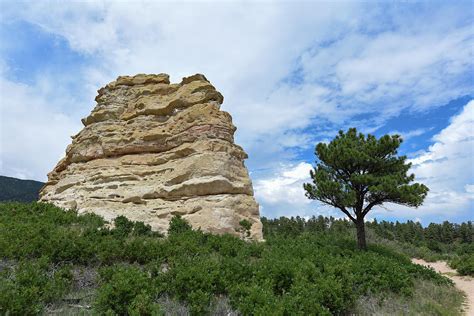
column 13, row 189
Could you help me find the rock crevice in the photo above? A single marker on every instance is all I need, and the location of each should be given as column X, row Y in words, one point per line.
column 151, row 149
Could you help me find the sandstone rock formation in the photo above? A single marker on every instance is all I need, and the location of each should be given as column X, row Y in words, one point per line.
column 150, row 150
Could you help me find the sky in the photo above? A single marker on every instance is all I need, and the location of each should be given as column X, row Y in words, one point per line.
column 292, row 74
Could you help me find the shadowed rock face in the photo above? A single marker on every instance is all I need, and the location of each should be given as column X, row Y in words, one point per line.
column 150, row 150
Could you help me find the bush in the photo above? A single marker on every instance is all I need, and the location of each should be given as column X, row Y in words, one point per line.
column 194, row 280
column 27, row 287
column 123, row 226
column 37, row 229
column 464, row 264
column 143, row 305
column 140, row 229
column 317, row 270
column 244, row 228
column 178, row 225
column 125, row 290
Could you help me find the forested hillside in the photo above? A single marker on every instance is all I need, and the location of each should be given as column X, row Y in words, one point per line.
column 12, row 189
column 54, row 261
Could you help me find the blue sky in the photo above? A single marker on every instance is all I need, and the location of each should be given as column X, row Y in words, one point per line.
column 292, row 73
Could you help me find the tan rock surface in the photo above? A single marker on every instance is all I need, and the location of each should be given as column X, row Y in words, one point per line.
column 150, row 150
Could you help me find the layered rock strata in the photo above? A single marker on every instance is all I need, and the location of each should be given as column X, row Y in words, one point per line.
column 150, row 150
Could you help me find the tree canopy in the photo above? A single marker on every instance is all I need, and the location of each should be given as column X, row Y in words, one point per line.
column 355, row 173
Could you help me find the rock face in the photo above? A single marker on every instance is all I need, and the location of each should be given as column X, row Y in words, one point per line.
column 150, row 150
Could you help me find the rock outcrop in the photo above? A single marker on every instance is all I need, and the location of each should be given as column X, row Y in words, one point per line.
column 150, row 150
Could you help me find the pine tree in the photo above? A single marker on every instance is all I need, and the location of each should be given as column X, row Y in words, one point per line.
column 355, row 173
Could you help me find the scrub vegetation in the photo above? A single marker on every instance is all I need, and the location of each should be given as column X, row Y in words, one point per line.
column 55, row 261
column 450, row 242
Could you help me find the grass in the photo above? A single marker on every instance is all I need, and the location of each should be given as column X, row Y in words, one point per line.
column 428, row 299
column 76, row 303
column 80, row 303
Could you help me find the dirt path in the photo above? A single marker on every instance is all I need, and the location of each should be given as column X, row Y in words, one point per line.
column 464, row 283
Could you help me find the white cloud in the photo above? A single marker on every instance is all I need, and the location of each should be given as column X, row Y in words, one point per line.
column 291, row 73
column 410, row 134
column 283, row 192
column 350, row 61
column 394, row 70
column 243, row 50
column 469, row 188
column 447, row 168
column 33, row 131
column 286, row 186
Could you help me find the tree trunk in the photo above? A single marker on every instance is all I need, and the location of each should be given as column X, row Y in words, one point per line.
column 361, row 243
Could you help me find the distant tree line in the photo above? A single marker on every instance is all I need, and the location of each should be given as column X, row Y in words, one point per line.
column 294, row 226
column 409, row 232
column 433, row 234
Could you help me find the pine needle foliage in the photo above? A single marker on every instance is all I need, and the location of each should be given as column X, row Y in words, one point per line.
column 356, row 172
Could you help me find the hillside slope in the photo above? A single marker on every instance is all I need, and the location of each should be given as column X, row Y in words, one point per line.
column 59, row 262
column 12, row 189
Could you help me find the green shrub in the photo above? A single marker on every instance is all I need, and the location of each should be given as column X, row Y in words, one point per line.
column 298, row 270
column 253, row 299
column 28, row 286
column 142, row 249
column 124, row 289
column 194, row 280
column 244, row 228
column 140, row 229
column 143, row 305
column 178, row 225
column 464, row 264
column 123, row 226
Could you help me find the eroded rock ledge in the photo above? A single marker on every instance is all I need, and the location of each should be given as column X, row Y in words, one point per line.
column 150, row 150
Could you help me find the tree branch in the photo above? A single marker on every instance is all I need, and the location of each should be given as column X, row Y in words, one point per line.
column 370, row 205
column 343, row 209
column 333, row 203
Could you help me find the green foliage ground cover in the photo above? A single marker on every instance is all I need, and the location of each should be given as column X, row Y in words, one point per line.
column 306, row 273
column 446, row 241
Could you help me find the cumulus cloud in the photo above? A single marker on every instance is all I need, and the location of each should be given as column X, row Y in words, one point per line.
column 286, row 185
column 291, row 74
column 33, row 131
column 447, row 168
column 244, row 52
column 469, row 188
column 247, row 49
column 349, row 62
column 282, row 193
column 391, row 71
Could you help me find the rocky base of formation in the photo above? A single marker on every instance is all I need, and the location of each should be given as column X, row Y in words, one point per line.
column 151, row 150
